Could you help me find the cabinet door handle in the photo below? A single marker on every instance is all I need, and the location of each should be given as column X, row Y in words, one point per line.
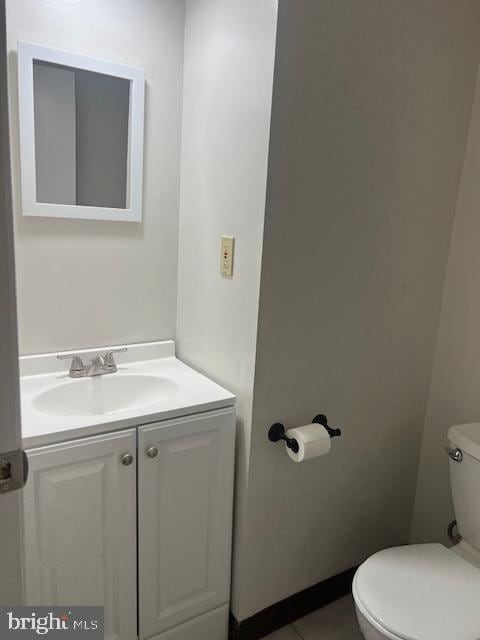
column 127, row 459
column 151, row 452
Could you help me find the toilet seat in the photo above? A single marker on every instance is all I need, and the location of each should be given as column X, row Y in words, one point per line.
column 420, row 592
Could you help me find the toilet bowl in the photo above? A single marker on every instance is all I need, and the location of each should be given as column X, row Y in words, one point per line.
column 428, row 591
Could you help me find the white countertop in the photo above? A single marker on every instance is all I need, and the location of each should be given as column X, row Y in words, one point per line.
column 193, row 393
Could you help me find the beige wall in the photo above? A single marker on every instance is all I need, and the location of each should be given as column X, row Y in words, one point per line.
column 455, row 388
column 83, row 283
column 370, row 114
column 229, row 59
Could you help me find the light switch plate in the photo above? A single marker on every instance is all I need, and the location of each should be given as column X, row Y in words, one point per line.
column 226, row 256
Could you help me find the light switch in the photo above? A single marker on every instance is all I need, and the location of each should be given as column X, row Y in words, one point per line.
column 226, row 256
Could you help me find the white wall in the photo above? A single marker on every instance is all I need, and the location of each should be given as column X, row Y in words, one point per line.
column 229, row 58
column 84, row 283
column 455, row 389
column 370, row 113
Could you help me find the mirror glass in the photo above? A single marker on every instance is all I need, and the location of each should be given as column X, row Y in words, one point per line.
column 81, row 129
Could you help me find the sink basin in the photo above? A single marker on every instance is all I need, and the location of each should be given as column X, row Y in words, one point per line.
column 151, row 385
column 104, row 394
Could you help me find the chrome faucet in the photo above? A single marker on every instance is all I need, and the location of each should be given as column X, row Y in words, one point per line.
column 99, row 366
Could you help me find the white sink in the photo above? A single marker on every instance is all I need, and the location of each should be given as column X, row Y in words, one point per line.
column 104, row 394
column 151, row 385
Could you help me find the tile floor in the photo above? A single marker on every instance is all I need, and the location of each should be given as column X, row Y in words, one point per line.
column 336, row 621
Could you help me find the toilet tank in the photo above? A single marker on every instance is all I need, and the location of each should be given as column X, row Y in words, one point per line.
column 464, row 453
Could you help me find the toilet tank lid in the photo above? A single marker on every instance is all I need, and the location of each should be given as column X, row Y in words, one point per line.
column 466, row 437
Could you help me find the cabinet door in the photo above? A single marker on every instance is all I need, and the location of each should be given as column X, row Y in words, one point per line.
column 80, row 528
column 185, row 495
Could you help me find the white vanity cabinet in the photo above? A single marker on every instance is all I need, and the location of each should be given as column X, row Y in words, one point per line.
column 185, row 488
column 80, row 528
column 82, row 503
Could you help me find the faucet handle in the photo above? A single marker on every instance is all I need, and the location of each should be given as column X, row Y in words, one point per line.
column 109, row 360
column 77, row 365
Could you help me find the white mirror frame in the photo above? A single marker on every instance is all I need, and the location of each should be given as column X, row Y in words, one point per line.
column 27, row 53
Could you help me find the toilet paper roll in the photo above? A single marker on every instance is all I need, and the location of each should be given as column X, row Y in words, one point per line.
column 313, row 441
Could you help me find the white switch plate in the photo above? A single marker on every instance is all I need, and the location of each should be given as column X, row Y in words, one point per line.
column 226, row 256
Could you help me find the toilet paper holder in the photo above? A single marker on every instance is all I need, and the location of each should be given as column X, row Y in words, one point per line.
column 277, row 432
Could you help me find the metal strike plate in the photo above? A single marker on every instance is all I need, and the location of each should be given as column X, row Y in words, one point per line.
column 13, row 470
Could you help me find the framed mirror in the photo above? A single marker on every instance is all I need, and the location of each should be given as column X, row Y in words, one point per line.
column 81, row 135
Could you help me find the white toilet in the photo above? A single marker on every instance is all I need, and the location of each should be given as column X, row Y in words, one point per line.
column 426, row 591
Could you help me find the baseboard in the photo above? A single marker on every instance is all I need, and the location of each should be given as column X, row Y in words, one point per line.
column 292, row 608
